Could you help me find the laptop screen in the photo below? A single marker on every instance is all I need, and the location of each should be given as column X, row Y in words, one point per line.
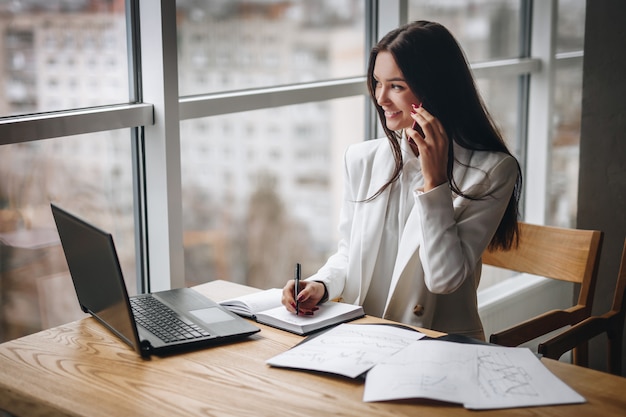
column 96, row 273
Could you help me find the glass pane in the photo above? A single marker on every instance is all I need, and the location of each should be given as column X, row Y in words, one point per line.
column 262, row 190
column 90, row 176
column 241, row 44
column 62, row 55
column 501, row 97
column 571, row 26
column 563, row 170
column 563, row 174
column 486, row 29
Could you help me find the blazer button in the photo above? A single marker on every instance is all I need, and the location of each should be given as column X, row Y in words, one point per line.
column 418, row 310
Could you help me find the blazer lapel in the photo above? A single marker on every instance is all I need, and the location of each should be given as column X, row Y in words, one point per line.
column 372, row 227
column 409, row 245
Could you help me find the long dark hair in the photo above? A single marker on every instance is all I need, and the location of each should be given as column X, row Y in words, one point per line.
column 436, row 71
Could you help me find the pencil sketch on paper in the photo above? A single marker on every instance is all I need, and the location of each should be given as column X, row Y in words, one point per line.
column 347, row 349
column 425, row 383
column 424, row 370
column 477, row 376
column 499, row 376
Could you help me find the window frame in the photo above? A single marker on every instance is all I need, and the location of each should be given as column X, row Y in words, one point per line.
column 155, row 110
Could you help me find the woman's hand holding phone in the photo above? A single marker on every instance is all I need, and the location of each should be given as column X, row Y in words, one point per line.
column 432, row 143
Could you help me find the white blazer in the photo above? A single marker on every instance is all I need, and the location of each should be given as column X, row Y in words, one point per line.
column 438, row 265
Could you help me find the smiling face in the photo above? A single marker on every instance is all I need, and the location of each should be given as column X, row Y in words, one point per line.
column 392, row 92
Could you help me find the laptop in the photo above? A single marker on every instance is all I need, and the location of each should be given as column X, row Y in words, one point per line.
column 142, row 321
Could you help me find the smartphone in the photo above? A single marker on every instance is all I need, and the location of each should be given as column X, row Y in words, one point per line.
column 417, row 127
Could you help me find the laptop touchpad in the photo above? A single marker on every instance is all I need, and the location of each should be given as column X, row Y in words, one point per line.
column 212, row 315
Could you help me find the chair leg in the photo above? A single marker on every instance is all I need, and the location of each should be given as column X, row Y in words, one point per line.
column 615, row 355
column 580, row 355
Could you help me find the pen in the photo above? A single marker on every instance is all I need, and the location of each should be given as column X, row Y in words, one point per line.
column 296, row 289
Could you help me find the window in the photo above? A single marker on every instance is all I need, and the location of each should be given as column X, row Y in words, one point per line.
column 285, row 159
column 242, row 44
column 54, row 67
column 246, row 116
column 271, row 199
column 91, row 176
column 486, row 29
column 48, row 50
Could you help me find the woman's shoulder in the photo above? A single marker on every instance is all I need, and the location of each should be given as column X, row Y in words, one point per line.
column 370, row 158
column 367, row 149
column 479, row 172
column 484, row 159
column 367, row 145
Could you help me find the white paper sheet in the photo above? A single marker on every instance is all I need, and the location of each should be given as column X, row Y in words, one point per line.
column 348, row 349
column 477, row 376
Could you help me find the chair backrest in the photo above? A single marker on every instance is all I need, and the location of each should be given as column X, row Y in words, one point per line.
column 611, row 323
column 554, row 252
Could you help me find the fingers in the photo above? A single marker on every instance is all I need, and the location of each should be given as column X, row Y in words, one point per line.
column 432, row 148
column 307, row 297
column 418, row 129
column 287, row 298
column 426, row 125
column 432, row 131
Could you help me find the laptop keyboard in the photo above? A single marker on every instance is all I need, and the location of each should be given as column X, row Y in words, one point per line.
column 163, row 321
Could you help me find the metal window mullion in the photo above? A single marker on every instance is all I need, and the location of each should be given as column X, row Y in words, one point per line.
column 165, row 256
column 523, row 86
column 40, row 126
column 370, row 38
column 133, row 47
column 388, row 16
column 540, row 111
column 247, row 100
column 569, row 59
column 506, row 67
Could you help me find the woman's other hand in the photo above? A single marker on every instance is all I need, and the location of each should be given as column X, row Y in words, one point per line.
column 311, row 292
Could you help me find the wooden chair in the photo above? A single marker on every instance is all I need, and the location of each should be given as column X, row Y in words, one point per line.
column 553, row 252
column 611, row 323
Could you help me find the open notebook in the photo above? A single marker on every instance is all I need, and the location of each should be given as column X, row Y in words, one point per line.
column 265, row 307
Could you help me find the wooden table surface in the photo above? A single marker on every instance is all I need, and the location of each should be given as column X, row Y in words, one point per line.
column 81, row 369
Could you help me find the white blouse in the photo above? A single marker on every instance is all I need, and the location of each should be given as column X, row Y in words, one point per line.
column 401, row 202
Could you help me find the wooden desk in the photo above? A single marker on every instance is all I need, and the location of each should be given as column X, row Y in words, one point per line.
column 82, row 369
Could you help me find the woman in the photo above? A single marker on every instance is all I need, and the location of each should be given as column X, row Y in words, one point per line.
column 421, row 205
